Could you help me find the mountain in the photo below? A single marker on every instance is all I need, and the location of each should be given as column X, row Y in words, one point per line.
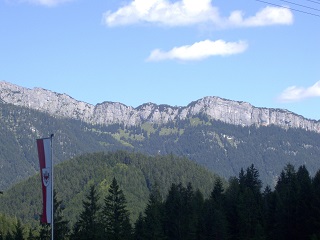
column 227, row 111
column 222, row 135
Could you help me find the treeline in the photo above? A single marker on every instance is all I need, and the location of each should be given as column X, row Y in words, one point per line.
column 241, row 211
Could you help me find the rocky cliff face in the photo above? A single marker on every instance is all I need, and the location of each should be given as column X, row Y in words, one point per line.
column 232, row 112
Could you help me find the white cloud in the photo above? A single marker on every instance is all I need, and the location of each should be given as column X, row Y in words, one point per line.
column 48, row 3
column 183, row 12
column 199, row 51
column 295, row 93
column 267, row 16
column 189, row 12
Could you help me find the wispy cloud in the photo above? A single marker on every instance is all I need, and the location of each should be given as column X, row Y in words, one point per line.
column 47, row 3
column 190, row 12
column 295, row 93
column 199, row 51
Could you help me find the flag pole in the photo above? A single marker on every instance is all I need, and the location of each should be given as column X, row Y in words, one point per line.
column 52, row 212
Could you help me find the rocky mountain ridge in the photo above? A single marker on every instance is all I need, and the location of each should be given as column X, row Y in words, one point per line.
column 228, row 111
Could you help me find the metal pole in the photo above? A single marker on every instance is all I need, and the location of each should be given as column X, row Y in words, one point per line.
column 52, row 203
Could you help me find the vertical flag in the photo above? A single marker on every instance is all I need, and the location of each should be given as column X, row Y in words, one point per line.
column 45, row 159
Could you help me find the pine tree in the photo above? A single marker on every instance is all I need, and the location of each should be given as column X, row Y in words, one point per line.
column 139, row 230
column 269, row 207
column 88, row 227
column 173, row 213
column 304, row 204
column 180, row 221
column 153, row 217
column 286, row 204
column 198, row 205
column 215, row 217
column 250, row 205
column 231, row 202
column 115, row 215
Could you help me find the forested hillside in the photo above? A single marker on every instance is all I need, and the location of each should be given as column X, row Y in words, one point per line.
column 242, row 209
column 220, row 147
column 136, row 173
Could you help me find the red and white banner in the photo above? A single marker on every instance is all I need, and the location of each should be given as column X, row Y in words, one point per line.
column 44, row 153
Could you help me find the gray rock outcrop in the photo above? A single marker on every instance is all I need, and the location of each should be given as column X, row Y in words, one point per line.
column 232, row 112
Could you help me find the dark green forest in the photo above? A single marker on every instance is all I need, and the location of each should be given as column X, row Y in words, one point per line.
column 241, row 210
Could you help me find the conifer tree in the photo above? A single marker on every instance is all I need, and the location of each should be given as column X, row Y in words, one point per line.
column 173, row 213
column 269, row 207
column 304, row 204
column 215, row 217
column 250, row 205
column 153, row 216
column 139, row 230
column 231, row 202
column 198, row 206
column 286, row 205
column 88, row 227
column 180, row 221
column 115, row 215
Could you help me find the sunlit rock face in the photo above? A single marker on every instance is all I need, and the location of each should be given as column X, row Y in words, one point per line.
column 232, row 112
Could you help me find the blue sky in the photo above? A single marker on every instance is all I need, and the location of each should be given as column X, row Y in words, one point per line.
column 165, row 52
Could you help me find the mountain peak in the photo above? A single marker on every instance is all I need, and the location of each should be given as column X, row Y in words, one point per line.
column 228, row 111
